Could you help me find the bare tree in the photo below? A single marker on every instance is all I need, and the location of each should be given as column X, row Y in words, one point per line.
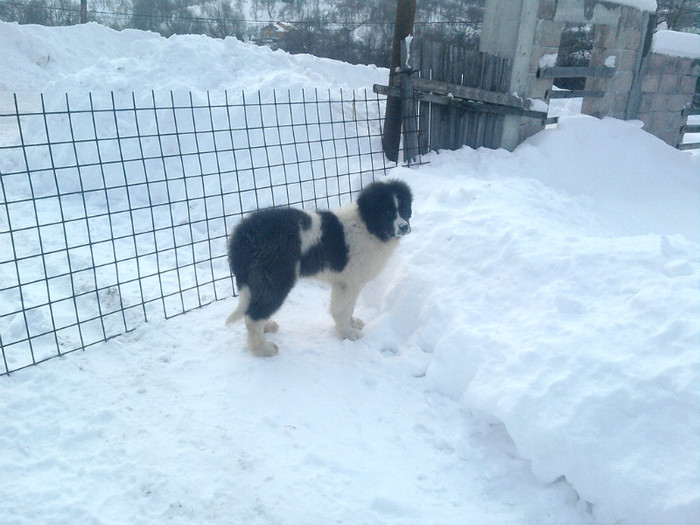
column 678, row 15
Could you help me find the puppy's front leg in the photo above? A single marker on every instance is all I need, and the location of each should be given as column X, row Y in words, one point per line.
column 343, row 299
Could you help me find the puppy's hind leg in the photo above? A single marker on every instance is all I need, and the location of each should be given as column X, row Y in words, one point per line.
column 271, row 326
column 256, row 337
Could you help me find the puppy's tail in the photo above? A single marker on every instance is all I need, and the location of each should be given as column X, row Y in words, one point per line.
column 242, row 308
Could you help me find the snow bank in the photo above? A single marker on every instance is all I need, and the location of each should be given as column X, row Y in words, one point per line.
column 632, row 179
column 552, row 307
column 95, row 58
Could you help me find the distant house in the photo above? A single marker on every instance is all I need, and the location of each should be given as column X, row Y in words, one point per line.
column 276, row 32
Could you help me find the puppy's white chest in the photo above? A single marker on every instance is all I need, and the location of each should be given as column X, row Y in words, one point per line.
column 367, row 254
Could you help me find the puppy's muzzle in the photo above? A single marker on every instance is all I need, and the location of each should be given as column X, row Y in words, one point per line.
column 403, row 228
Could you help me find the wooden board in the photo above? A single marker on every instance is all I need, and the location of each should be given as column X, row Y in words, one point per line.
column 575, row 72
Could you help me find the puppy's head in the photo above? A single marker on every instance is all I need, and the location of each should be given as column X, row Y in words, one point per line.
column 385, row 207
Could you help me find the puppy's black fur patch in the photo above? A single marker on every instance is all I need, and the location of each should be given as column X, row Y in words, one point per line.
column 330, row 253
column 263, row 251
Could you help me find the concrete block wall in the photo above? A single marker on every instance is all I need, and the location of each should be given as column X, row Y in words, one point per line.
column 654, row 88
column 618, row 38
column 621, row 44
column 667, row 87
column 547, row 37
column 619, row 32
column 509, row 30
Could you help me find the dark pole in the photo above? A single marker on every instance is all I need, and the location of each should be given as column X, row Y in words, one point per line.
column 83, row 11
column 405, row 15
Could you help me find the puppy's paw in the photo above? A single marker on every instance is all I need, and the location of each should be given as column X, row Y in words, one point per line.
column 267, row 349
column 357, row 323
column 350, row 333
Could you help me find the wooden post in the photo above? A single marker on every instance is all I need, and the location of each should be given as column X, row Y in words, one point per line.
column 83, row 11
column 405, row 16
column 408, row 105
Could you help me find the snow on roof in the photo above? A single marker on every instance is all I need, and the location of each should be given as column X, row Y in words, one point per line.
column 677, row 44
column 280, row 27
column 642, row 5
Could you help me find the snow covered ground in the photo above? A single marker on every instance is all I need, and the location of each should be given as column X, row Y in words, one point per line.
column 530, row 357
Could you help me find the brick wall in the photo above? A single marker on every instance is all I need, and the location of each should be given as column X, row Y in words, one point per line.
column 619, row 33
column 646, row 85
column 623, row 42
column 667, row 87
column 546, row 43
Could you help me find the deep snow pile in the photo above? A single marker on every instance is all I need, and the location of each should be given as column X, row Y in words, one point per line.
column 573, row 317
column 95, row 58
column 530, row 353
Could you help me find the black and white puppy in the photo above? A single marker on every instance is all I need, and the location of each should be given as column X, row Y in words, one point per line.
column 270, row 249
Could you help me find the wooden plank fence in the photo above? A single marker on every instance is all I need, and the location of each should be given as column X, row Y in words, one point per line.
column 457, row 97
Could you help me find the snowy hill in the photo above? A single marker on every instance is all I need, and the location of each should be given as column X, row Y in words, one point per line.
column 530, row 357
column 38, row 58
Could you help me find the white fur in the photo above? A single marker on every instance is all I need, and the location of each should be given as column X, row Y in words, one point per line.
column 256, row 338
column 366, row 258
column 401, row 225
column 313, row 234
column 241, row 308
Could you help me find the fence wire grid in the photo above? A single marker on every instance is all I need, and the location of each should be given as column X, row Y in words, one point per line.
column 115, row 208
